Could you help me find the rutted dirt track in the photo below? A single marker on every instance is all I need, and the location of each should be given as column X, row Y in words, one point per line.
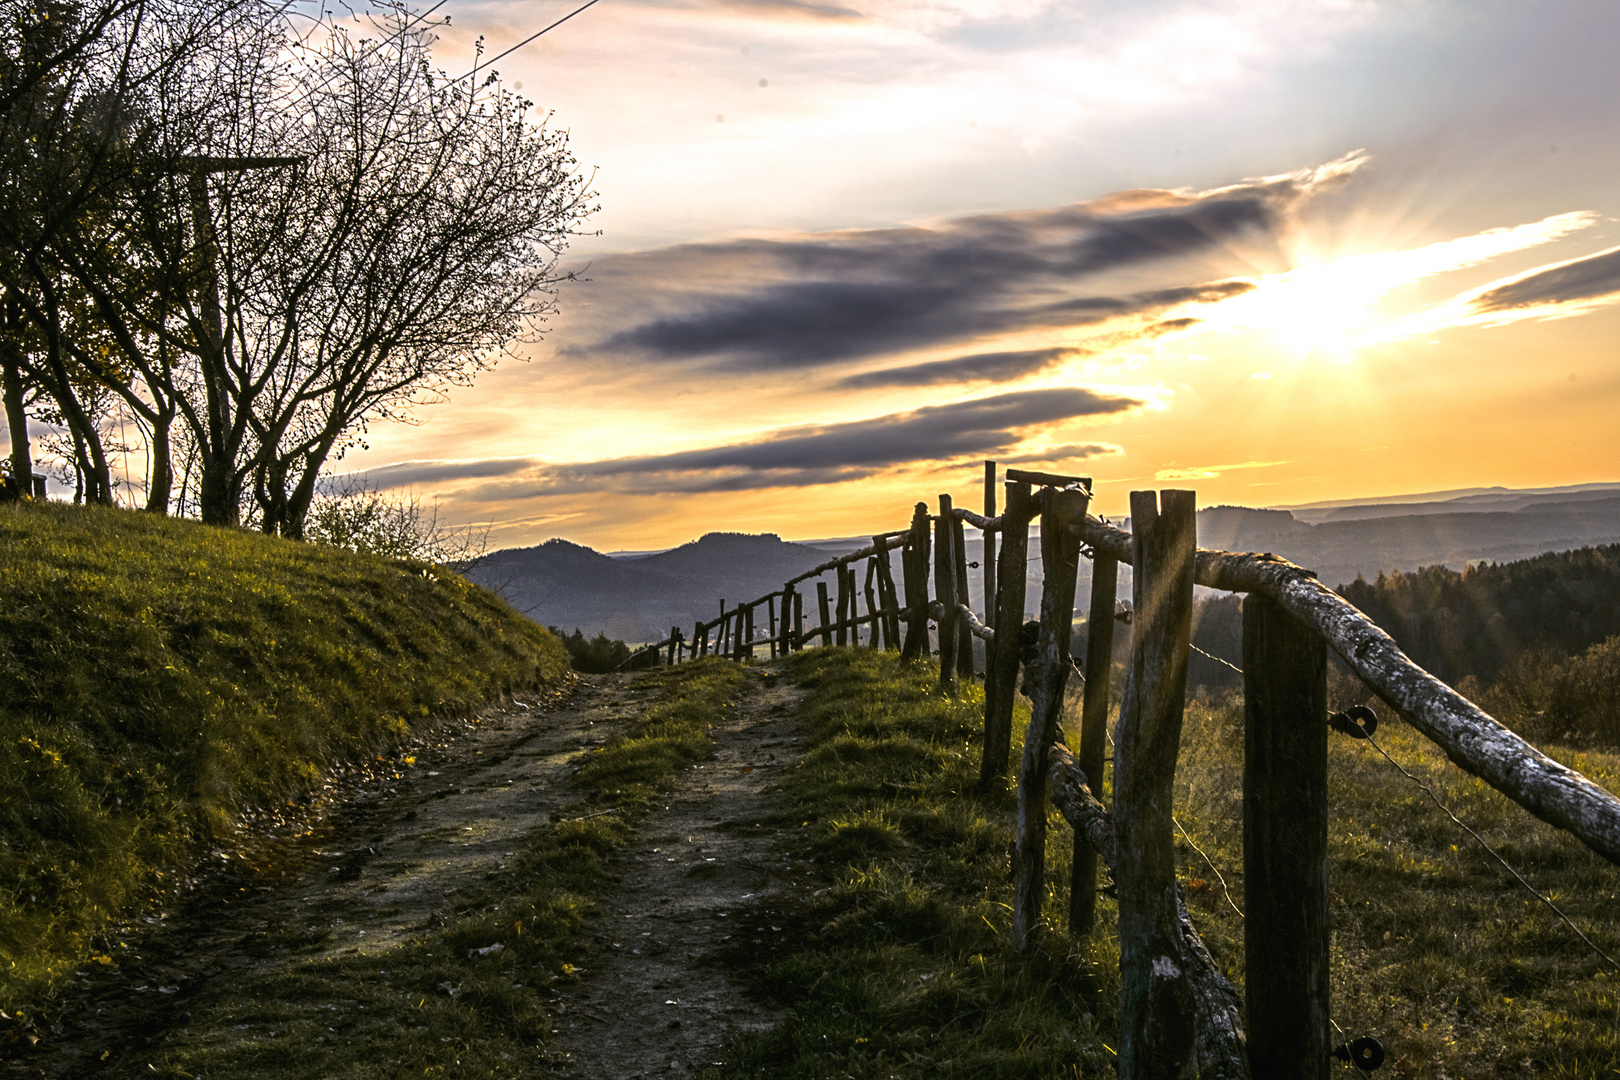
column 389, row 861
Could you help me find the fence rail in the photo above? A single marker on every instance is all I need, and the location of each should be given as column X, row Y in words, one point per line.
column 1179, row 1014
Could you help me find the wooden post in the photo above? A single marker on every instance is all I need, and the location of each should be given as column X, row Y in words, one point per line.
column 1093, row 733
column 914, row 570
column 798, row 619
column 674, row 645
column 1156, row 1000
column 945, row 588
column 873, row 607
column 700, row 640
column 964, row 636
column 1062, row 525
column 826, row 615
column 1285, row 827
column 886, row 594
column 841, row 634
column 1001, row 658
column 785, row 643
column 987, row 561
column 748, row 632
column 770, row 622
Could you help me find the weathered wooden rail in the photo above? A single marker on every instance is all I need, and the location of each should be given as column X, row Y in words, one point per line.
column 1179, row 1014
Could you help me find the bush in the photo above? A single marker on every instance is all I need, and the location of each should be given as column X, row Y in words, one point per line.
column 595, row 656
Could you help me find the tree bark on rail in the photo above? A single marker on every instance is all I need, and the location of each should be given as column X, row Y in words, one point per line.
column 1062, row 524
column 1471, row 737
column 1219, row 1046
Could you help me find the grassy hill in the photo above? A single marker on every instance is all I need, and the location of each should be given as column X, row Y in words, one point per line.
column 158, row 678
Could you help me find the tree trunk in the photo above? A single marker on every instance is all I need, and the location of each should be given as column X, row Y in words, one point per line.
column 22, row 458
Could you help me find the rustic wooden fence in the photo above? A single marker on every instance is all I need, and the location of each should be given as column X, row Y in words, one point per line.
column 1179, row 1014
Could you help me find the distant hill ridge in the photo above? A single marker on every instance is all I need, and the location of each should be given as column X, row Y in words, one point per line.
column 638, row 597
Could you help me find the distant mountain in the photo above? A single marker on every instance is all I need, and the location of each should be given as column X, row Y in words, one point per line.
column 639, row 598
column 1338, row 550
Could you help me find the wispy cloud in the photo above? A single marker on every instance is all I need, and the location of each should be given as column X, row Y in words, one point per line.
column 1210, row 472
column 980, row 367
column 830, row 453
column 792, row 303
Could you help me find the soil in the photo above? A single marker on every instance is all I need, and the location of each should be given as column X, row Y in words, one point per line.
column 389, row 851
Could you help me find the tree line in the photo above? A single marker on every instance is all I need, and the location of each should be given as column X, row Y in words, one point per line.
column 233, row 236
column 1536, row 641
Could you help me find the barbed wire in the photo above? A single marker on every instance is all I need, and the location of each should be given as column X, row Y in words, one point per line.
column 1434, row 798
column 1212, row 656
column 1556, row 910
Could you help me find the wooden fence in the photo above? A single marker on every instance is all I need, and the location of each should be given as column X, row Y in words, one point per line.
column 1179, row 1014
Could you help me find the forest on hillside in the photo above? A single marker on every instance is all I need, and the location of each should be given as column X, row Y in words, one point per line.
column 1536, row 642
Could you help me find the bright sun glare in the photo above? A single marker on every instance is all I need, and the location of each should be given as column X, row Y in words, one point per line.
column 1330, row 303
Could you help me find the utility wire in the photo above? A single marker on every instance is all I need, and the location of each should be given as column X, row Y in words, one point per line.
column 525, row 41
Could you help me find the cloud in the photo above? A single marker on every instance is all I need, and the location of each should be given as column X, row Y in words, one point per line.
column 1209, row 472
column 830, row 453
column 410, row 473
column 1585, row 279
column 804, row 301
column 794, row 9
column 980, row 367
column 1554, row 291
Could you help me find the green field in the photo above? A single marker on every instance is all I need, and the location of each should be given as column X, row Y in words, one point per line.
column 902, row 968
column 158, row 678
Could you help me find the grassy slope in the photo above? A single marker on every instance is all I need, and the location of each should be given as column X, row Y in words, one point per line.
column 158, row 677
column 904, row 969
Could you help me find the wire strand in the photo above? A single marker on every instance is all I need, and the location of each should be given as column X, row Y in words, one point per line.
column 1211, row 864
column 525, row 41
column 1556, row 910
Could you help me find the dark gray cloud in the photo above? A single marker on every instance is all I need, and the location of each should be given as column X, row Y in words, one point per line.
column 836, row 297
column 980, row 367
column 795, row 9
column 831, row 453
column 1580, row 279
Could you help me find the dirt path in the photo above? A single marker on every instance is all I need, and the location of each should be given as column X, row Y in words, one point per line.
column 655, row 1003
column 390, row 859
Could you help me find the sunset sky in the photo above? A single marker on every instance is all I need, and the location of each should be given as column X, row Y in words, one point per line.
column 1274, row 252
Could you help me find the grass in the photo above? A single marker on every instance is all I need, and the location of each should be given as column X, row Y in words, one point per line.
column 902, row 967
column 466, row 998
column 159, row 679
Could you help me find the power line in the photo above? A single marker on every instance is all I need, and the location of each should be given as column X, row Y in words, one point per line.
column 526, row 40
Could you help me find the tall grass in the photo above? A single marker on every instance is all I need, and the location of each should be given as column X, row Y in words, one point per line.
column 159, row 677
